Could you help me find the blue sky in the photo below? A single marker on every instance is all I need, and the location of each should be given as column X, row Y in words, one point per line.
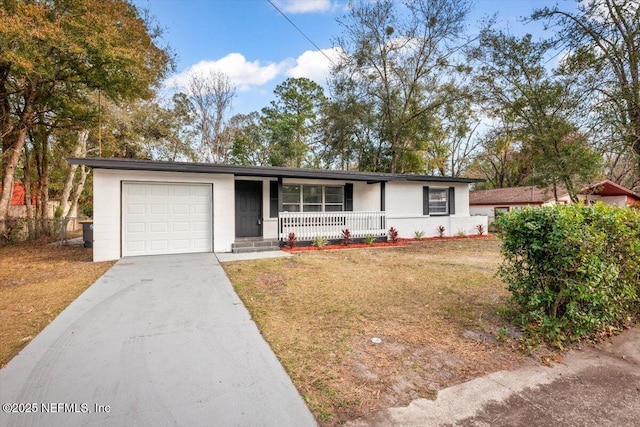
column 258, row 49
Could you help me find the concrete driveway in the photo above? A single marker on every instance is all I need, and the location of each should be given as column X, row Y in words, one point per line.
column 156, row 341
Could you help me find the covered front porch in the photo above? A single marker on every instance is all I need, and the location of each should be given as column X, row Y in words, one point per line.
column 307, row 226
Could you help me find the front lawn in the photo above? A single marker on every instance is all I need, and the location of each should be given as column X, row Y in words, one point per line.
column 435, row 306
column 37, row 282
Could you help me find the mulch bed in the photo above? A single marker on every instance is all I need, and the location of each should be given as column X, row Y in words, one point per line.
column 389, row 244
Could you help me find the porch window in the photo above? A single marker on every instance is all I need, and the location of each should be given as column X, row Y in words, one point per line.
column 333, row 199
column 312, row 198
column 291, row 198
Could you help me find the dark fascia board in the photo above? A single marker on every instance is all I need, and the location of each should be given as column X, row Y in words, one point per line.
column 256, row 171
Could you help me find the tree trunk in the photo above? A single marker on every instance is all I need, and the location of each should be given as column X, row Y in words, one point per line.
column 84, row 172
column 5, row 113
column 394, row 159
column 573, row 194
column 80, row 150
column 13, row 144
column 26, row 182
column 636, row 138
column 41, row 145
column 11, row 158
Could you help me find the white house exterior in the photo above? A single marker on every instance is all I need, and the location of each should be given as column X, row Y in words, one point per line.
column 150, row 207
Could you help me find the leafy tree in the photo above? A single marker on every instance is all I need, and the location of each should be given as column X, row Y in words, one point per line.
column 57, row 51
column 348, row 130
column 451, row 140
column 50, row 139
column 292, row 121
column 164, row 130
column 250, row 143
column 539, row 109
column 148, row 130
column 398, row 59
column 500, row 161
column 603, row 38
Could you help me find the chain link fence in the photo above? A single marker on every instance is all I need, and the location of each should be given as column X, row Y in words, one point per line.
column 25, row 229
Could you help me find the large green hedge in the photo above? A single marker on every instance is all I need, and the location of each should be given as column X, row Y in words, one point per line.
column 573, row 270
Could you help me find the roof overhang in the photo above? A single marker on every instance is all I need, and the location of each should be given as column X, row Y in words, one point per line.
column 609, row 188
column 257, row 171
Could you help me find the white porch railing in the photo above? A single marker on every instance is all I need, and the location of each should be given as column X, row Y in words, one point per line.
column 309, row 225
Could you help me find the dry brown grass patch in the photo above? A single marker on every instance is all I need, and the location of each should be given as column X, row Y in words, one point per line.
column 433, row 304
column 37, row 281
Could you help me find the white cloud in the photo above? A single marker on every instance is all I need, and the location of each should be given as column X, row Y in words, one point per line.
column 314, row 65
column 247, row 75
column 244, row 74
column 304, row 6
column 254, row 77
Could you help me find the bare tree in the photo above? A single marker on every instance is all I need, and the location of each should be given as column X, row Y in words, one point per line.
column 211, row 96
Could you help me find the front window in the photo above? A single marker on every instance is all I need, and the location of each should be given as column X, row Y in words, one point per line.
column 333, row 199
column 291, row 198
column 312, row 198
column 438, row 204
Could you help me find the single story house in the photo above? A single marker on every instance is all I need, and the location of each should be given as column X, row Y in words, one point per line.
column 144, row 207
column 499, row 200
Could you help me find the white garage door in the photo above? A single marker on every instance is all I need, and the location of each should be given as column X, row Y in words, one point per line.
column 166, row 218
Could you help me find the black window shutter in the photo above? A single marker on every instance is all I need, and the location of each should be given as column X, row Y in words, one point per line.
column 425, row 200
column 348, row 197
column 452, row 200
column 273, row 199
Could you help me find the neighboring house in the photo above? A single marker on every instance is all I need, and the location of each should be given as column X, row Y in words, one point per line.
column 17, row 207
column 17, row 195
column 494, row 202
column 150, row 207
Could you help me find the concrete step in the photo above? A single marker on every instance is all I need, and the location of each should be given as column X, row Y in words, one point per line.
column 255, row 243
column 255, row 249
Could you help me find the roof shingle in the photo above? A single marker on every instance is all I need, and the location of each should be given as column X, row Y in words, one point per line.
column 511, row 195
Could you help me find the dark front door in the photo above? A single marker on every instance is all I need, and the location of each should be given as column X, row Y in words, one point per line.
column 248, row 208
